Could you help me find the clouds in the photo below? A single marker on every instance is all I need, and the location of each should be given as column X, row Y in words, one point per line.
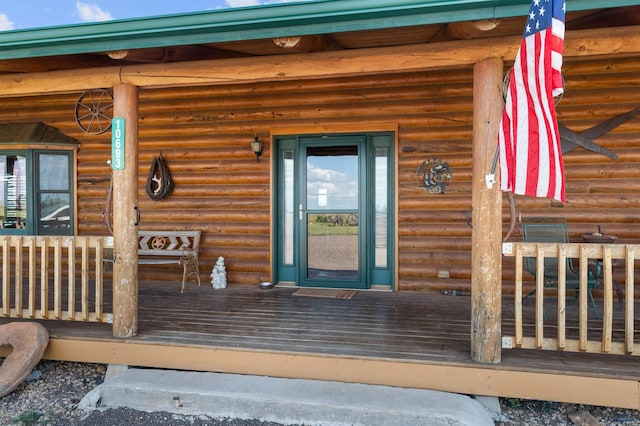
column 19, row 15
column 92, row 13
column 240, row 3
column 337, row 176
column 5, row 22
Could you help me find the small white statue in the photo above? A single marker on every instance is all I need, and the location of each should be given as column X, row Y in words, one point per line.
column 219, row 275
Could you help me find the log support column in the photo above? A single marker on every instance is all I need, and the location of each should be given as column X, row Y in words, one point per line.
column 125, row 215
column 486, row 251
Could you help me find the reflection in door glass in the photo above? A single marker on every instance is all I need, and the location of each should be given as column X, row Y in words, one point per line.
column 333, row 219
column 381, row 201
column 332, row 246
column 288, row 191
column 332, row 178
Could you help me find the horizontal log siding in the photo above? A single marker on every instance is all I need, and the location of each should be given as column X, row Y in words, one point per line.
column 204, row 134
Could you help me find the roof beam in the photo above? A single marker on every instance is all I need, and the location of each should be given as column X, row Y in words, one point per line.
column 171, row 54
column 619, row 41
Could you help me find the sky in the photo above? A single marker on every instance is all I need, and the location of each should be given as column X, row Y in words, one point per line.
column 24, row 14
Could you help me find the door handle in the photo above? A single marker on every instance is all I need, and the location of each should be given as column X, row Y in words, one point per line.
column 300, row 211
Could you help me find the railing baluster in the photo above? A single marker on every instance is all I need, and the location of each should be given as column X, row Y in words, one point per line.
column 57, row 277
column 44, row 279
column 562, row 296
column 71, row 285
column 607, row 314
column 99, row 298
column 539, row 296
column 32, row 277
column 629, row 299
column 85, row 281
column 583, row 299
column 518, row 298
column 18, row 277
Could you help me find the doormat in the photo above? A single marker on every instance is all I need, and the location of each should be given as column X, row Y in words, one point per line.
column 326, row 292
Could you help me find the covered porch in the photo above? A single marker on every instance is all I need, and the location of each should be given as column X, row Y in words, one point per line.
column 439, row 98
column 408, row 339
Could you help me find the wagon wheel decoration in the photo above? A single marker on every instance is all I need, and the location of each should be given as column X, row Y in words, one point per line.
column 158, row 243
column 94, row 110
column 434, row 175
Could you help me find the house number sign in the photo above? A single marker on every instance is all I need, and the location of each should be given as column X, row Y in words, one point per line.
column 117, row 143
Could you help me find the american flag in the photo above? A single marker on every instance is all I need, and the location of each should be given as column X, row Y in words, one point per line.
column 529, row 140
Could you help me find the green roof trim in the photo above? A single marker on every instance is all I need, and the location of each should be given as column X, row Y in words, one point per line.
column 276, row 20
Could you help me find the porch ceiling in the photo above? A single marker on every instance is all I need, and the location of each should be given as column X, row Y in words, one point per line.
column 24, row 55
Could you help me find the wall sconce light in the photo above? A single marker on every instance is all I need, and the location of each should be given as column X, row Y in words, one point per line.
column 256, row 147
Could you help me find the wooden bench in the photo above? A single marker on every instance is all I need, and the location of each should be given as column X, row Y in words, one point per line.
column 170, row 247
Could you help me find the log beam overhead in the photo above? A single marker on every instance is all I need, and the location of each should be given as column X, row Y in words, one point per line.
column 170, row 54
column 466, row 30
column 306, row 44
column 619, row 41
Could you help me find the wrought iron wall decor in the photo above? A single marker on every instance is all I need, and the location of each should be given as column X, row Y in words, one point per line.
column 434, row 175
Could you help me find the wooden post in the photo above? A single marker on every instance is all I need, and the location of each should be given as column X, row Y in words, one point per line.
column 486, row 251
column 125, row 218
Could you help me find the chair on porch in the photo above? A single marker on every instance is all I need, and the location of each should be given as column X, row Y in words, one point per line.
column 554, row 230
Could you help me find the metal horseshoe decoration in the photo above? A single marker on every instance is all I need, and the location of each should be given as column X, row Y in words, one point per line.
column 434, row 175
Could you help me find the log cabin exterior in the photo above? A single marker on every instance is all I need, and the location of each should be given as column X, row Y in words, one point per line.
column 405, row 83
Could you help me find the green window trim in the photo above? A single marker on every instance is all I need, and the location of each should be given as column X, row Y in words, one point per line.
column 37, row 191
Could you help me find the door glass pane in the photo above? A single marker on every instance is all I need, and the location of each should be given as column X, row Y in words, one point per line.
column 381, row 203
column 13, row 191
column 54, row 172
column 332, row 195
column 332, row 246
column 288, row 207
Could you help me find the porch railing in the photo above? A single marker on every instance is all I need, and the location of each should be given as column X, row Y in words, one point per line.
column 557, row 329
column 54, row 278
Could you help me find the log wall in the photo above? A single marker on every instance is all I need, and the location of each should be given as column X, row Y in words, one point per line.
column 204, row 133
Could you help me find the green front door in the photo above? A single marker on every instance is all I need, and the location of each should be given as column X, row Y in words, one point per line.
column 333, row 195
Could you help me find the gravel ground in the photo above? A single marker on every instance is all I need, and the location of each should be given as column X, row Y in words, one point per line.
column 51, row 395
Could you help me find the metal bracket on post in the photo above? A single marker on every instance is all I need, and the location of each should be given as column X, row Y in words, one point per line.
column 490, row 178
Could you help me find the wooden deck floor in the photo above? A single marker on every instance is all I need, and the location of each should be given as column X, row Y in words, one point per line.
column 377, row 337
